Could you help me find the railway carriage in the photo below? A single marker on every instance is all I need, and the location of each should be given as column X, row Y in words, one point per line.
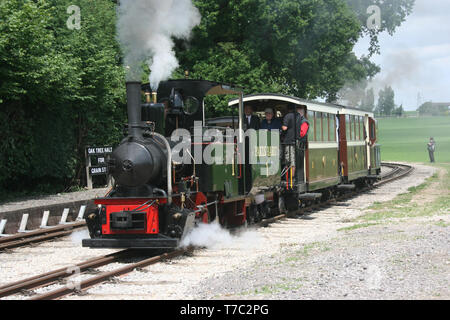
column 341, row 146
column 157, row 200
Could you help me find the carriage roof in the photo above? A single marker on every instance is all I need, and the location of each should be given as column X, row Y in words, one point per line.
column 279, row 101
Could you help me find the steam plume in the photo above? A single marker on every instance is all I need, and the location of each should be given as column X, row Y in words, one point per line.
column 213, row 236
column 145, row 29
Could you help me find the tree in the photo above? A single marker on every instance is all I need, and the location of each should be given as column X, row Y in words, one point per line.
column 386, row 103
column 60, row 90
column 435, row 109
column 303, row 48
column 399, row 111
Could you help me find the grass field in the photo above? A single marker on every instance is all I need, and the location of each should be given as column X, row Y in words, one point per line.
column 405, row 139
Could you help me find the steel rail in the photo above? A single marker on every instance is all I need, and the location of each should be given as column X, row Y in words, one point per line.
column 56, row 275
column 22, row 239
column 58, row 293
column 38, row 232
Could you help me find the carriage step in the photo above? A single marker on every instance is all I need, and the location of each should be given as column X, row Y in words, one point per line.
column 346, row 186
column 309, row 196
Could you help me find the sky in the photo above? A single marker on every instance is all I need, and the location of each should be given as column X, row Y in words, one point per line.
column 416, row 59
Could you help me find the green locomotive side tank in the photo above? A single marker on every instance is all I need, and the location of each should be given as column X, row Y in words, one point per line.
column 265, row 173
column 219, row 176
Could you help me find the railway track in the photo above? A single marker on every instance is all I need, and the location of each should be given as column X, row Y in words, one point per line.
column 58, row 276
column 35, row 236
column 398, row 171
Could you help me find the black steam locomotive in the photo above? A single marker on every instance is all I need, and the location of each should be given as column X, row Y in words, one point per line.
column 155, row 201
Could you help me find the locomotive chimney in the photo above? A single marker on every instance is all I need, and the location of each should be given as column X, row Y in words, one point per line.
column 134, row 109
column 155, row 99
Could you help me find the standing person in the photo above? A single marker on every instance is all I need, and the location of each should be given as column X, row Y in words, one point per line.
column 270, row 123
column 431, row 146
column 250, row 120
column 295, row 128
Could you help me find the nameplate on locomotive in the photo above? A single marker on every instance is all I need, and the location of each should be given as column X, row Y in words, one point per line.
column 266, row 151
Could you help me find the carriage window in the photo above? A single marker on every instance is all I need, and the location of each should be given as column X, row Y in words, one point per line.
column 319, row 126
column 326, row 126
column 362, row 128
column 372, row 130
column 332, row 127
column 347, row 127
column 357, row 128
column 310, row 118
column 353, row 128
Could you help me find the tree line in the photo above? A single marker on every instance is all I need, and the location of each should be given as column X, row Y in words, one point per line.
column 62, row 89
column 386, row 102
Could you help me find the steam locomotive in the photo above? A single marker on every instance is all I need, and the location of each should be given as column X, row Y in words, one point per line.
column 156, row 201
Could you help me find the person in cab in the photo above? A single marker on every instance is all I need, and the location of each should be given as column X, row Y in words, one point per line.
column 270, row 122
column 251, row 121
column 295, row 132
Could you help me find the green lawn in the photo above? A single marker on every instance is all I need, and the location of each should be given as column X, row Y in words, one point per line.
column 405, row 139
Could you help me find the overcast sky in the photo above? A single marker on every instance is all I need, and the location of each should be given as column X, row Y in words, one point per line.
column 416, row 59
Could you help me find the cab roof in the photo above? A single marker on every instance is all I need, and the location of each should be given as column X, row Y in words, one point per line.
column 197, row 88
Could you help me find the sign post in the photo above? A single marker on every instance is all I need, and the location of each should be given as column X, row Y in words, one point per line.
column 101, row 168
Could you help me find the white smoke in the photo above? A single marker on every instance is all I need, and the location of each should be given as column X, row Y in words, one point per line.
column 145, row 30
column 214, row 236
column 79, row 235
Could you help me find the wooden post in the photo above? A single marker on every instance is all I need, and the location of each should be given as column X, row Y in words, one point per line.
column 110, row 180
column 44, row 220
column 88, row 165
column 2, row 227
column 23, row 223
column 64, row 216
